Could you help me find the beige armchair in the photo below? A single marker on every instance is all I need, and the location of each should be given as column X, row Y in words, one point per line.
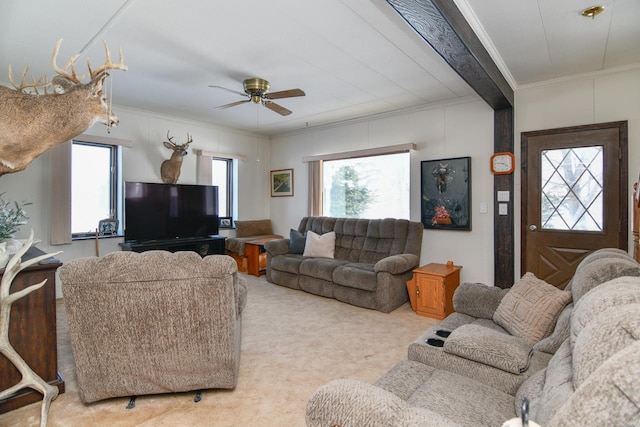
column 153, row 322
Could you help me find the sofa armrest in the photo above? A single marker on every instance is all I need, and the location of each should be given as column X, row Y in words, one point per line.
column 397, row 264
column 350, row 403
column 277, row 247
column 477, row 299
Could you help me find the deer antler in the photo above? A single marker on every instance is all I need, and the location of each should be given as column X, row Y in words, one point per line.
column 108, row 65
column 170, row 139
column 70, row 64
column 42, row 81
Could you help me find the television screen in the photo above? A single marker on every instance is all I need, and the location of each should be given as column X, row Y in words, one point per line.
column 154, row 211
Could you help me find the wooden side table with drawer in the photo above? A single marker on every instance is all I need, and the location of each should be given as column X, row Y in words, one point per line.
column 431, row 289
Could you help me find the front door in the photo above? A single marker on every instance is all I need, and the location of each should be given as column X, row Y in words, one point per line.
column 574, row 197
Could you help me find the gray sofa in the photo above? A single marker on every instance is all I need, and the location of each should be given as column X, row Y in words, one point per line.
column 153, row 322
column 475, row 306
column 587, row 372
column 373, row 260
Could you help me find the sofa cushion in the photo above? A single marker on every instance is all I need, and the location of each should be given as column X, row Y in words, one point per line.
column 368, row 240
column 614, row 293
column 289, row 263
column 598, row 254
column 609, row 397
column 477, row 404
column 558, row 384
column 599, row 271
column 320, row 245
column 530, row 309
column 253, row 227
column 506, row 352
column 560, row 333
column 531, row 388
column 478, row 299
column 297, row 242
column 611, row 331
column 356, row 275
column 320, row 268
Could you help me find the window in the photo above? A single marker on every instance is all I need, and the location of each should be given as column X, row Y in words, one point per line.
column 222, row 176
column 367, row 187
column 573, row 188
column 94, row 186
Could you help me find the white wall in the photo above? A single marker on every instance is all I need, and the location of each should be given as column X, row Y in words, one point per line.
column 142, row 163
column 445, row 130
column 595, row 98
column 464, row 128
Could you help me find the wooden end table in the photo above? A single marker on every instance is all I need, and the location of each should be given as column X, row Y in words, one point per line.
column 431, row 289
column 256, row 258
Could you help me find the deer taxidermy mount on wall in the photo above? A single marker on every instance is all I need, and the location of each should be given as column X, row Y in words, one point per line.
column 32, row 122
column 170, row 169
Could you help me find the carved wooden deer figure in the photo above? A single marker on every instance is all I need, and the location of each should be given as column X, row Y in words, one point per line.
column 170, row 169
column 31, row 123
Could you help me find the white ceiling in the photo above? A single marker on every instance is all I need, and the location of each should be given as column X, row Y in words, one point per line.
column 353, row 58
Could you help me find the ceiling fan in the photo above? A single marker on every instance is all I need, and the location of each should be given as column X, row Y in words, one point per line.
column 257, row 90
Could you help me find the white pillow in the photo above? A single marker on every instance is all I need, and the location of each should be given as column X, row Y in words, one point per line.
column 320, row 245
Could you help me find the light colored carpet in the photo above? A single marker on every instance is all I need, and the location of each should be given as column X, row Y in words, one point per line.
column 292, row 343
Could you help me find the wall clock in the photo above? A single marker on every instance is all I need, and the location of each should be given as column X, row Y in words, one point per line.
column 503, row 163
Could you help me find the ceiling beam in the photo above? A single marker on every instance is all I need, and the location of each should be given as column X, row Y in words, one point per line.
column 441, row 24
column 444, row 28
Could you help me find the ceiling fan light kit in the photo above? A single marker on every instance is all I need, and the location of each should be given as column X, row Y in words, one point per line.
column 257, row 90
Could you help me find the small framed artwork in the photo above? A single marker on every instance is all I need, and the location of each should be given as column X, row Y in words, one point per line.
column 446, row 193
column 108, row 227
column 224, row 222
column 282, row 183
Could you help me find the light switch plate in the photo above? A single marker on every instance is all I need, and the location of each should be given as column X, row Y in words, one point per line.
column 503, row 196
column 483, row 207
column 503, row 209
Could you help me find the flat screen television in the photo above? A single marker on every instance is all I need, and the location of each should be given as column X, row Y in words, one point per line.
column 154, row 211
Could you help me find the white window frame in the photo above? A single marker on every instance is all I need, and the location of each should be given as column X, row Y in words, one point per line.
column 115, row 196
column 230, row 185
column 315, row 201
column 60, row 179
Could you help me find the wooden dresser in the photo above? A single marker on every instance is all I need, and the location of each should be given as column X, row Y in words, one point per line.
column 32, row 331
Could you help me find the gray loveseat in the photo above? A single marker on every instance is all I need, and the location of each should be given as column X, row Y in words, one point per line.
column 373, row 260
column 591, row 376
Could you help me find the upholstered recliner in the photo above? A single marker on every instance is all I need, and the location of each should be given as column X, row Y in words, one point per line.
column 153, row 322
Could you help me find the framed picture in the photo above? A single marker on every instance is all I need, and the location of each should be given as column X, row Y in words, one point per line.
column 108, row 227
column 224, row 222
column 446, row 193
column 282, row 183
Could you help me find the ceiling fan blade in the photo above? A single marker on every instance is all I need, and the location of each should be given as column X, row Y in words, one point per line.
column 233, row 104
column 229, row 90
column 285, row 94
column 277, row 108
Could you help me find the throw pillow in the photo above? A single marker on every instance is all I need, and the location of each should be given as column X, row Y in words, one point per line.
column 297, row 242
column 320, row 245
column 530, row 309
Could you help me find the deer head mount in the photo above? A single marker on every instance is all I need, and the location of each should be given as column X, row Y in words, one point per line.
column 32, row 122
column 170, row 169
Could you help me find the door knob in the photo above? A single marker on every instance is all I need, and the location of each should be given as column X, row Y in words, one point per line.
column 533, row 228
